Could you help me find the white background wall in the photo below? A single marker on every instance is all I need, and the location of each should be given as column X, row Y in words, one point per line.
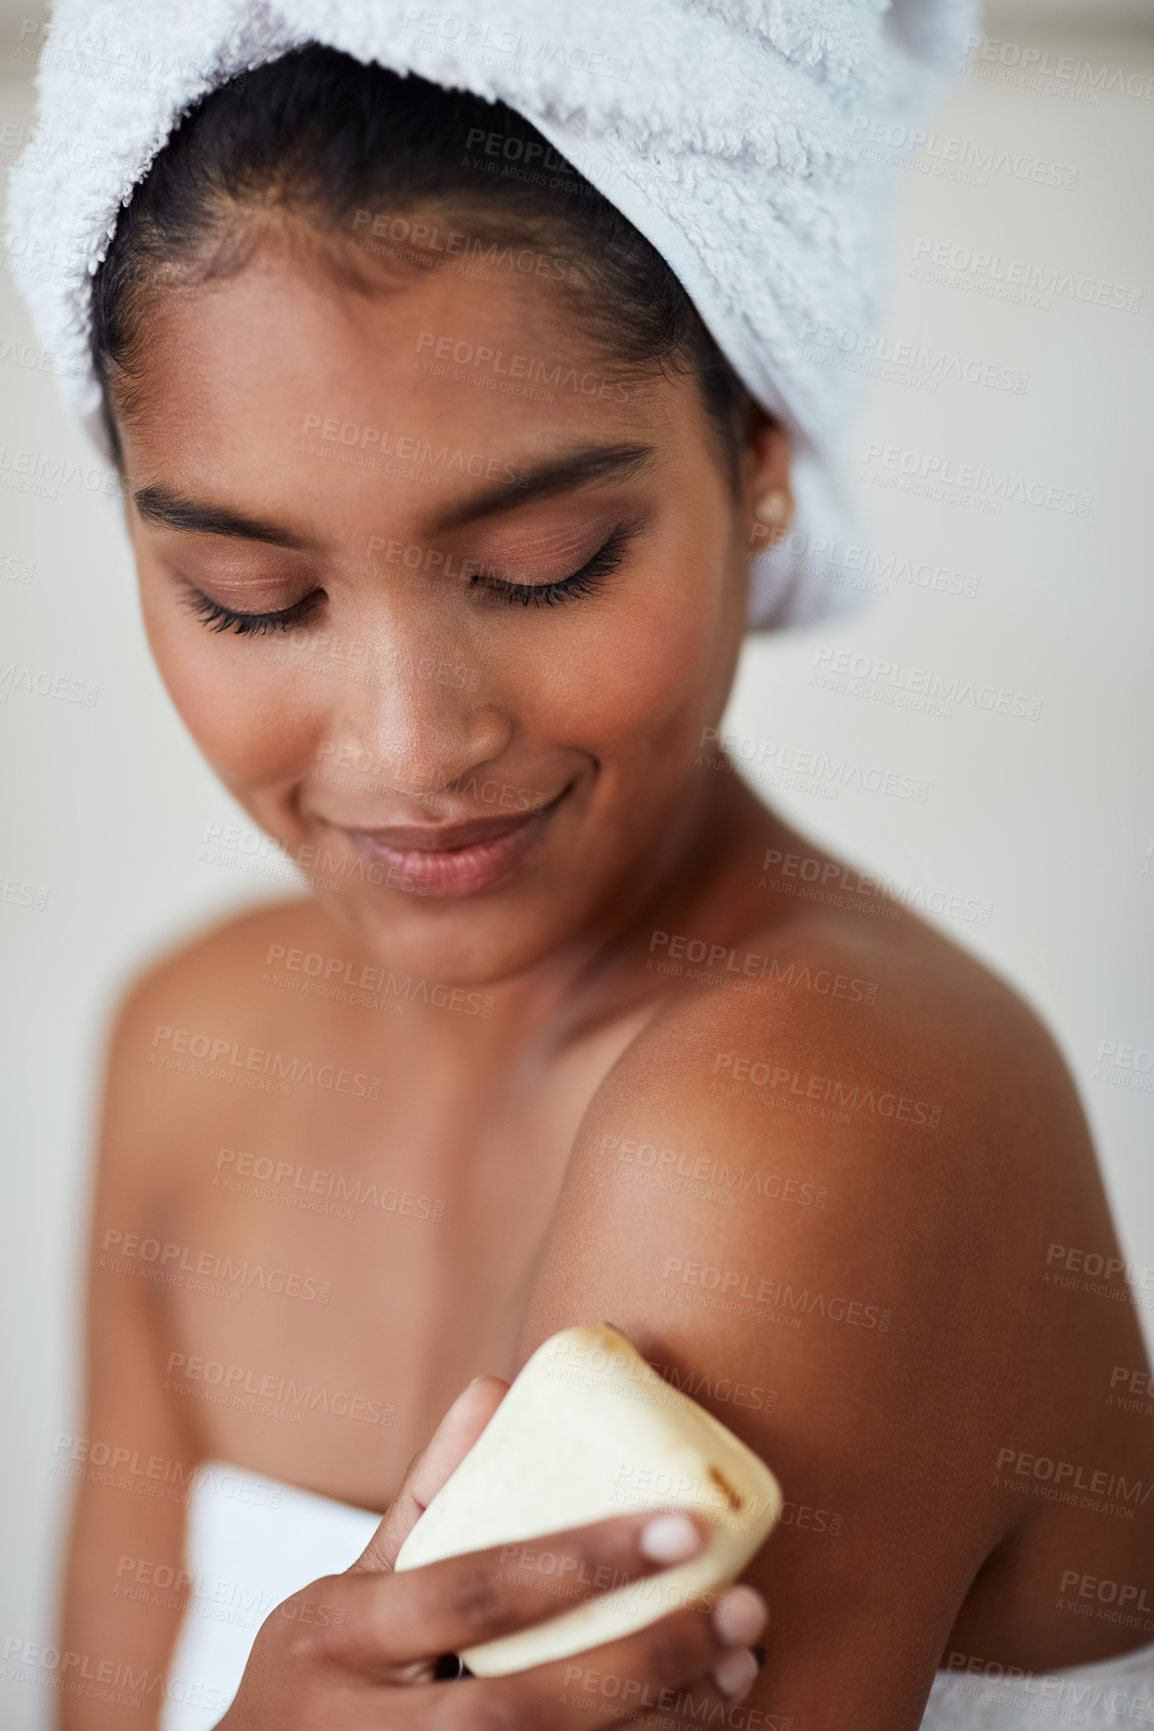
column 1049, row 821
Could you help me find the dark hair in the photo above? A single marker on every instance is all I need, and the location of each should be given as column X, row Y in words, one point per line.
column 320, row 133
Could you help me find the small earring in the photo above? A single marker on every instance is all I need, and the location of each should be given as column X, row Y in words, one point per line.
column 773, row 510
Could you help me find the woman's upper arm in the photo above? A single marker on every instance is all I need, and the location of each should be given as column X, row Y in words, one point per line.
column 133, row 1458
column 799, row 1275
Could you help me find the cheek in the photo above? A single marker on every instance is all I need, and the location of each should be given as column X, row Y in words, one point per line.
column 250, row 718
column 641, row 681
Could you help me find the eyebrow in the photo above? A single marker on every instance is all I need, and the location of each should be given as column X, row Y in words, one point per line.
column 158, row 505
column 580, row 468
column 564, row 474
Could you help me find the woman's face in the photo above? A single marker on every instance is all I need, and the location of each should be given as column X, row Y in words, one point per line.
column 471, row 775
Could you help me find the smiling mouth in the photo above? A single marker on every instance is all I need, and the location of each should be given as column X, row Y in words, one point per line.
column 455, row 859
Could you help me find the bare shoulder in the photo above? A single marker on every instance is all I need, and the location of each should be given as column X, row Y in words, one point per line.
column 825, row 1146
column 856, row 1106
column 201, row 992
column 821, row 1025
column 828, row 1204
column 210, row 967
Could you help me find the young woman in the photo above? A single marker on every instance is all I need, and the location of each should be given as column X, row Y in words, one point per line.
column 445, row 564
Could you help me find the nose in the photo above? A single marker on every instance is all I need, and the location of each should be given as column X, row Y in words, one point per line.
column 423, row 714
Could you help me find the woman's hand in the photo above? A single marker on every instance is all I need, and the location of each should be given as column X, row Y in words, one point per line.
column 356, row 1652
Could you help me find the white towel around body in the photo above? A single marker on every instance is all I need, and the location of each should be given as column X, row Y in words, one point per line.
column 253, row 1541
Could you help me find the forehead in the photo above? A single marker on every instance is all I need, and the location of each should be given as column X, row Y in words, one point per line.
column 306, row 347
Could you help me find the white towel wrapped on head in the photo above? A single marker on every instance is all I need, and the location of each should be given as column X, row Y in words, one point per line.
column 727, row 131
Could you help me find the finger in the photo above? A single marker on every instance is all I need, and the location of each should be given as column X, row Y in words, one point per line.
column 684, row 1705
column 699, row 1656
column 700, row 1704
column 686, row 1665
column 401, row 1620
column 428, row 1471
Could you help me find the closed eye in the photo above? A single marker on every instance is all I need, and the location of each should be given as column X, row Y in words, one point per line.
column 220, row 618
column 217, row 617
column 586, row 581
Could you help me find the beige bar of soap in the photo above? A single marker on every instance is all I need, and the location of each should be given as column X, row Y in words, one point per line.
column 589, row 1430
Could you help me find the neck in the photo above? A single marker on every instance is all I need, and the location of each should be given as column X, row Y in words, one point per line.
column 699, row 877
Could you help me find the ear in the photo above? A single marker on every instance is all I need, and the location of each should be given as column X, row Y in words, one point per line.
column 766, row 495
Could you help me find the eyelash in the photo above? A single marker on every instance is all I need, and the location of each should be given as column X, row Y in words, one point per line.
column 586, row 581
column 218, row 618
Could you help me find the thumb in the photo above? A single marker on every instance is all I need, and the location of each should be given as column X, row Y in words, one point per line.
column 429, row 1470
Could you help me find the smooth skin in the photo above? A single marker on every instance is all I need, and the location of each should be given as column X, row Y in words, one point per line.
column 870, row 1291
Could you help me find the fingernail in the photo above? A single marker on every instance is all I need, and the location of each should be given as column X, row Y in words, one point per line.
column 669, row 1539
column 735, row 1672
column 740, row 1617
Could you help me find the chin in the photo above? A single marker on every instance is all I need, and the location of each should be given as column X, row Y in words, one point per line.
column 467, row 941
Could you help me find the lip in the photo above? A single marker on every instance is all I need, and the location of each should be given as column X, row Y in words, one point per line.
column 454, row 859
